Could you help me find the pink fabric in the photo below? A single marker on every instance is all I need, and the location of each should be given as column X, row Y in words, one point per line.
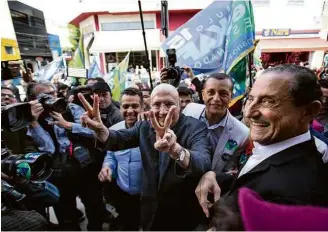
column 317, row 126
column 258, row 214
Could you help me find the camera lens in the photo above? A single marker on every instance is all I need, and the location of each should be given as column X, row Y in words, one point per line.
column 172, row 73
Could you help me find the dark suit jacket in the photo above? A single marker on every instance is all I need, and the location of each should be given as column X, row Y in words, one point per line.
column 296, row 175
column 168, row 198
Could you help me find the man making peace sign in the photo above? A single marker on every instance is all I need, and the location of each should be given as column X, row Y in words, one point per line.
column 175, row 154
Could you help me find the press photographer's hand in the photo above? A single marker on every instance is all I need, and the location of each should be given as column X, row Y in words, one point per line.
column 164, row 75
column 60, row 121
column 189, row 72
column 36, row 110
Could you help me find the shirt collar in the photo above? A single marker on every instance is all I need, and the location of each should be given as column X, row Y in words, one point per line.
column 222, row 123
column 268, row 150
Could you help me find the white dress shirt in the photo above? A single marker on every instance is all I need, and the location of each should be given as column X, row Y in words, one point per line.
column 262, row 152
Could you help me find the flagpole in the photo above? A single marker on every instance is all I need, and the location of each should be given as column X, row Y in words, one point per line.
column 145, row 42
column 250, row 56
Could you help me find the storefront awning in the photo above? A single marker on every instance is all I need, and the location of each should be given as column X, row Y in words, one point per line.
column 292, row 45
column 123, row 41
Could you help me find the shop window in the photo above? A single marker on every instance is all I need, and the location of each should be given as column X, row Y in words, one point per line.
column 261, row 2
column 124, row 26
column 39, row 23
column 295, row 2
column 9, row 50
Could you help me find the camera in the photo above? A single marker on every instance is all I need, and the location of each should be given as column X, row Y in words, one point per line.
column 87, row 93
column 30, row 166
column 173, row 72
column 50, row 104
column 16, row 116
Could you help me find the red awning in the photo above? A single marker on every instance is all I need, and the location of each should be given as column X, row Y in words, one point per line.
column 293, row 45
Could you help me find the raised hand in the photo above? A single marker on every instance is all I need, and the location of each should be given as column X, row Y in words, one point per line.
column 189, row 72
column 161, row 130
column 166, row 140
column 91, row 118
column 36, row 109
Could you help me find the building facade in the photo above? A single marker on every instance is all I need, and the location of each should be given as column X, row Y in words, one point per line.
column 289, row 31
column 9, row 45
column 31, row 34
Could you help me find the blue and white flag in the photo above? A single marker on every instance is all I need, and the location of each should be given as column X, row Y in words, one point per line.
column 47, row 72
column 216, row 38
column 94, row 70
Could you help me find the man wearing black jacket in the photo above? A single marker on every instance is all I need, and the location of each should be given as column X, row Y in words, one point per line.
column 110, row 114
column 285, row 166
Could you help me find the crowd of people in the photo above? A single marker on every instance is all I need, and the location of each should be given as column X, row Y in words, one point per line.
column 178, row 159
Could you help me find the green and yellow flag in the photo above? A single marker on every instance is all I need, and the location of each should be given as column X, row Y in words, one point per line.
column 78, row 59
column 119, row 74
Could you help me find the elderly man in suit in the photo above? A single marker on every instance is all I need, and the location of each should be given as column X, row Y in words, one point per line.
column 285, row 166
column 228, row 137
column 174, row 152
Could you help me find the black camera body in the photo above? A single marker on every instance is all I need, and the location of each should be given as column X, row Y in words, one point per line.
column 30, row 166
column 15, row 117
column 50, row 104
column 173, row 72
column 87, row 93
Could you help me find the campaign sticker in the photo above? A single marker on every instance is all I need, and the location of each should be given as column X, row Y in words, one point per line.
column 231, row 145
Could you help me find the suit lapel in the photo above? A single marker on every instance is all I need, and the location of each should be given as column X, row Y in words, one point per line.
column 217, row 162
column 278, row 159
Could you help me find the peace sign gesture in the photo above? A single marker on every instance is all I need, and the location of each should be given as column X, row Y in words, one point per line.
column 91, row 118
column 161, row 130
column 166, row 140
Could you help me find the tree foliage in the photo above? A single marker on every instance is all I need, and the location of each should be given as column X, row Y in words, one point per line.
column 74, row 36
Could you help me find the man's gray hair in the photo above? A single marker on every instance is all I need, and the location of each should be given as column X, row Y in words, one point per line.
column 31, row 88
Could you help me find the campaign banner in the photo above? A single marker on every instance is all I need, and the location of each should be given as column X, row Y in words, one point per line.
column 216, row 38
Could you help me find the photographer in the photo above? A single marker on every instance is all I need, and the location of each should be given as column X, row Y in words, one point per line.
column 38, row 194
column 75, row 171
column 190, row 74
column 21, row 142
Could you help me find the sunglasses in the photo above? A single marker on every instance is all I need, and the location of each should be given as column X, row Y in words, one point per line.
column 8, row 94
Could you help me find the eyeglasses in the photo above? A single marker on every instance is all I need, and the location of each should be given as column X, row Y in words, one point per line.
column 51, row 93
column 8, row 94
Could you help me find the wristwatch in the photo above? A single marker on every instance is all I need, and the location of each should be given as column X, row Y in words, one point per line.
column 182, row 155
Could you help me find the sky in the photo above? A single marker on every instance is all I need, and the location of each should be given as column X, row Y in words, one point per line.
column 58, row 13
